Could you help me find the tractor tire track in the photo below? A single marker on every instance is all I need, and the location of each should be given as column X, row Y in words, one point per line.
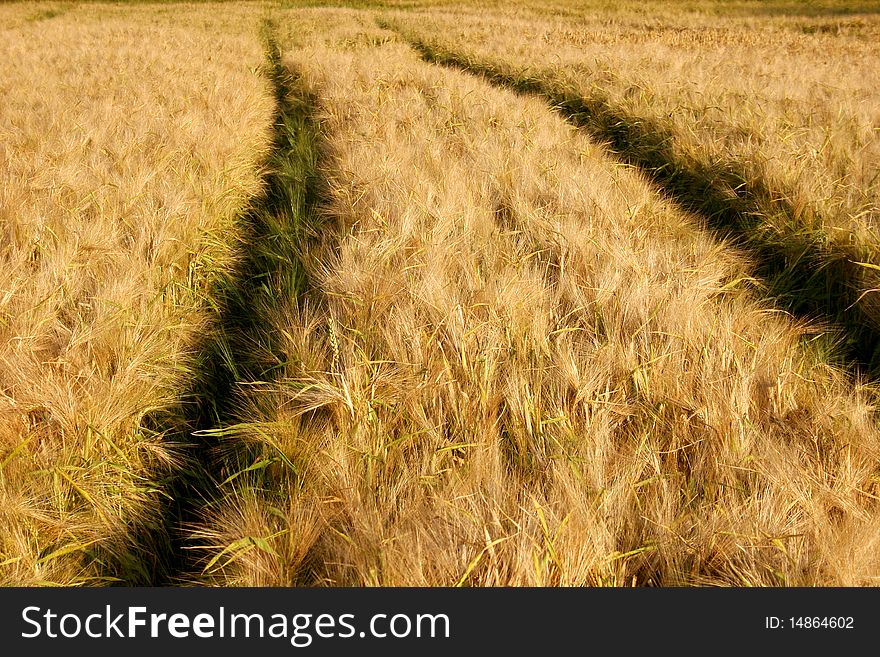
column 802, row 273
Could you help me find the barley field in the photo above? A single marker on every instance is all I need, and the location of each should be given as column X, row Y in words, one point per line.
column 765, row 126
column 426, row 293
column 130, row 139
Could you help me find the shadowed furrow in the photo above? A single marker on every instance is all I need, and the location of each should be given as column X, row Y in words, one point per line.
column 803, row 271
column 241, row 347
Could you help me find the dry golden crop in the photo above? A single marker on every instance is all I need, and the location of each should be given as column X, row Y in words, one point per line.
column 516, row 363
column 763, row 119
column 420, row 293
column 130, row 140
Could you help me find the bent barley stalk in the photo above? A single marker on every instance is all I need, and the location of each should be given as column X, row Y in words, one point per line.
column 129, row 140
column 517, row 364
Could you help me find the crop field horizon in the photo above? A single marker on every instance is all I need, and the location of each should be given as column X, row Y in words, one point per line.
column 422, row 293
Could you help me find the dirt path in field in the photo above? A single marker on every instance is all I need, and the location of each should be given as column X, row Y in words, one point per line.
column 240, row 347
column 802, row 274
